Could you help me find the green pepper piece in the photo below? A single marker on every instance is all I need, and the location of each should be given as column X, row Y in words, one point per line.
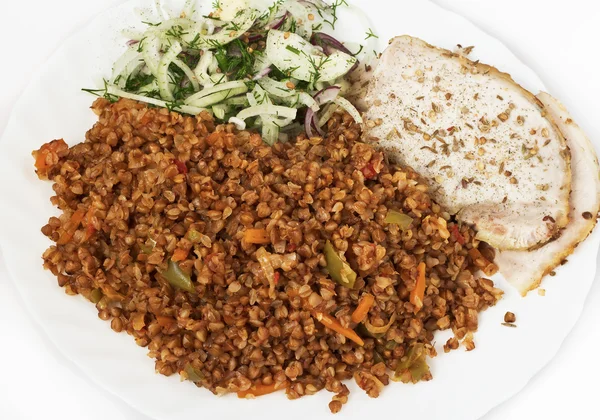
column 414, row 362
column 96, row 295
column 400, row 219
column 338, row 269
column 377, row 358
column 192, row 374
column 362, row 331
column 177, row 278
column 148, row 246
column 391, row 345
column 194, row 236
column 418, row 370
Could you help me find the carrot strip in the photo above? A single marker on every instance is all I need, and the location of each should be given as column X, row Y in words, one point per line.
column 457, row 235
column 260, row 389
column 257, row 236
column 41, row 155
column 361, row 311
column 40, row 159
column 164, row 321
column 333, row 324
column 179, row 255
column 90, row 229
column 488, row 267
column 70, row 227
column 418, row 293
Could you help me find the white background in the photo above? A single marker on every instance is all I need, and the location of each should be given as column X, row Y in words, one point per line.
column 557, row 39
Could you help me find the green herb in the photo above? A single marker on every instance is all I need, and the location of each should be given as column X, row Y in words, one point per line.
column 154, row 94
column 140, row 47
column 238, row 67
column 292, row 49
column 261, row 97
column 250, row 84
column 150, row 23
column 233, row 26
column 216, row 4
column 315, row 74
column 266, row 16
column 135, row 83
column 370, row 34
column 213, row 43
column 332, row 10
column 174, row 105
column 289, row 71
column 359, row 51
column 176, row 31
column 103, row 92
column 177, row 76
column 293, row 25
column 195, row 43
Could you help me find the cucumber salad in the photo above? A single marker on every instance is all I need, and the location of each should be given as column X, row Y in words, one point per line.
column 275, row 70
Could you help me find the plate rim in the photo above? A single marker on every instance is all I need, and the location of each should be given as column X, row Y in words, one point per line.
column 5, row 244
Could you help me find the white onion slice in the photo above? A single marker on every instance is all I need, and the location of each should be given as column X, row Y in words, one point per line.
column 267, row 109
column 186, row 109
column 236, row 84
column 162, row 75
column 240, row 124
column 344, row 103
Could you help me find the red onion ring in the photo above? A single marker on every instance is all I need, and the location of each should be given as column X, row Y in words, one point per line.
column 279, row 23
column 323, row 40
column 255, row 38
column 309, row 124
column 322, row 97
column 327, row 95
column 327, row 42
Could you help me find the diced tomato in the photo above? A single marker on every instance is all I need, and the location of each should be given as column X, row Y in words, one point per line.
column 458, row 237
column 179, row 255
column 277, row 275
column 181, row 167
column 291, row 247
column 369, row 171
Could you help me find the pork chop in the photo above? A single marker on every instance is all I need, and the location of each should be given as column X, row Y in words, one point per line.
column 483, row 143
column 525, row 269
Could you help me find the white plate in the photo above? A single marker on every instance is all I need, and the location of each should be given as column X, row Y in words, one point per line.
column 465, row 385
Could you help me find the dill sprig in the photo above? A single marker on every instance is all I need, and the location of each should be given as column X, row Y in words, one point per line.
column 103, row 93
column 292, row 49
column 136, row 82
column 370, row 34
column 332, row 11
column 176, row 31
column 239, row 65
